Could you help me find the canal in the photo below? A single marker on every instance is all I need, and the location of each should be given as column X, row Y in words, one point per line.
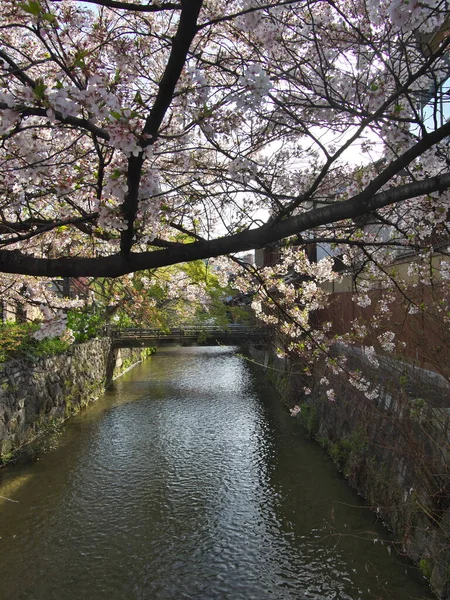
column 189, row 480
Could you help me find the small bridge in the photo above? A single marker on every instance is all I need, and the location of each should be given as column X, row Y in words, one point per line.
column 188, row 335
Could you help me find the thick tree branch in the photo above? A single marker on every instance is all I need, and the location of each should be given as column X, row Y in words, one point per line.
column 146, row 8
column 187, row 28
column 116, row 265
column 17, row 71
column 36, row 227
column 7, row 227
column 28, row 111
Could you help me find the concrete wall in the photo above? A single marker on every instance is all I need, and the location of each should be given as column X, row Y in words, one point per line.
column 33, row 398
column 394, row 449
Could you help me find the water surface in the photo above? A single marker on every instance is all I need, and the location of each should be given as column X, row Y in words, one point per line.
column 189, row 479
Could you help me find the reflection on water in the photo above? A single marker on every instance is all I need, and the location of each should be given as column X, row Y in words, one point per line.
column 190, row 480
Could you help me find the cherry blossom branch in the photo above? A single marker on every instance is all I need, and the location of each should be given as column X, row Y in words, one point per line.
column 42, row 228
column 146, row 8
column 246, row 11
column 115, row 265
column 17, row 71
column 426, row 142
column 187, row 28
column 31, row 111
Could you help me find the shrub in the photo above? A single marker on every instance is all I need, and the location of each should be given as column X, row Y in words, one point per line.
column 16, row 342
column 85, row 325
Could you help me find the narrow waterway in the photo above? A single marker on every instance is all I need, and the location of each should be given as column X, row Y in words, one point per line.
column 189, row 480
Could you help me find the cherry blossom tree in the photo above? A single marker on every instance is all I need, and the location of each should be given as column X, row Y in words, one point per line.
column 142, row 135
column 240, row 124
column 164, row 298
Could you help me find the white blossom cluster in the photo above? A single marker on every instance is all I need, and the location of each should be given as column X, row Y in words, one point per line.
column 331, row 395
column 386, row 340
column 445, row 269
column 122, row 138
column 54, row 325
column 110, row 217
column 258, row 25
column 407, row 14
column 199, row 81
column 242, row 169
column 256, row 85
column 370, row 354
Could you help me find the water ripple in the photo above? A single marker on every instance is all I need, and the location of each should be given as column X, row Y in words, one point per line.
column 185, row 482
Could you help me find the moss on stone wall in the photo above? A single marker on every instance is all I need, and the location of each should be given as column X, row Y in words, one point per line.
column 36, row 399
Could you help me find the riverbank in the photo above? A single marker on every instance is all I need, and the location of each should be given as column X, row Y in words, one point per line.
column 37, row 397
column 393, row 448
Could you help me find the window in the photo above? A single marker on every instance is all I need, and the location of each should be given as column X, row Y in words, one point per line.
column 435, row 105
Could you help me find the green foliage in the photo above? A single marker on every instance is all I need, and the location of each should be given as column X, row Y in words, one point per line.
column 403, row 380
column 172, row 308
column 48, row 347
column 348, row 450
column 146, row 352
column 16, row 342
column 39, row 90
column 418, row 406
column 6, row 458
column 123, row 320
column 425, row 567
column 47, row 438
column 32, row 8
column 13, row 337
column 340, row 452
column 6, row 453
column 85, row 325
column 240, row 314
column 157, row 298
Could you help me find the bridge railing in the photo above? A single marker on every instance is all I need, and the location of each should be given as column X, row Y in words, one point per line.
column 188, row 331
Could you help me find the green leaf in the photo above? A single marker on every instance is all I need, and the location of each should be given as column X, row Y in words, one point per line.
column 49, row 17
column 39, row 90
column 78, row 60
column 32, row 8
column 138, row 99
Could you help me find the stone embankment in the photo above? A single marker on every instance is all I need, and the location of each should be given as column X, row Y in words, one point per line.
column 393, row 446
column 34, row 398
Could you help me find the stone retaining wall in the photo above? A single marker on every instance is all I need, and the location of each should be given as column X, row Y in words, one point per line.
column 34, row 397
column 393, row 449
